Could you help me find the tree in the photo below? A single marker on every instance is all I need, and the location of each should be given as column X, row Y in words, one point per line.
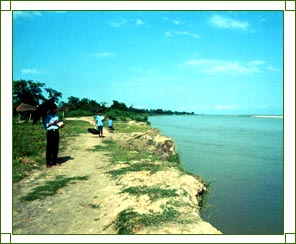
column 73, row 103
column 118, row 105
column 53, row 94
column 28, row 92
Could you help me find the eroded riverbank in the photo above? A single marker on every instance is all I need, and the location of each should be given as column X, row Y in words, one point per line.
column 130, row 182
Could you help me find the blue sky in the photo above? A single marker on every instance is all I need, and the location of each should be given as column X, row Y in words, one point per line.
column 212, row 62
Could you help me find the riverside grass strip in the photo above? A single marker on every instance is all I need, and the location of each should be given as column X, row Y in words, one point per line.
column 124, row 153
column 136, row 167
column 129, row 221
column 154, row 192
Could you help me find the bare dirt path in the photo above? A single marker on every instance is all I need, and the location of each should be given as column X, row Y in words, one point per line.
column 87, row 200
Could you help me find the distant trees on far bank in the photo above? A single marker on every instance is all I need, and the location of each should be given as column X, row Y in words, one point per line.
column 30, row 92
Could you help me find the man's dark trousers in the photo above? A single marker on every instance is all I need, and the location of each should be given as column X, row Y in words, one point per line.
column 52, row 146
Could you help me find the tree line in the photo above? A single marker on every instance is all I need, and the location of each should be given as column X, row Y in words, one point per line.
column 30, row 92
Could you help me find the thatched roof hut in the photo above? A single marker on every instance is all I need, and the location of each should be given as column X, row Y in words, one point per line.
column 25, row 110
column 23, row 107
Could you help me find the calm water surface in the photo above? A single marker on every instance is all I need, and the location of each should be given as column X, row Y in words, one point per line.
column 242, row 160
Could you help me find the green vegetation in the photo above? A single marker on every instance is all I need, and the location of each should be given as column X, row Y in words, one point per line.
column 29, row 144
column 29, row 140
column 175, row 158
column 51, row 187
column 136, row 159
column 124, row 153
column 129, row 221
column 152, row 167
column 130, row 127
column 154, row 192
column 30, row 92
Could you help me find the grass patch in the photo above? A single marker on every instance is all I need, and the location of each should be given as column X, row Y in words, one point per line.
column 124, row 153
column 51, row 187
column 29, row 145
column 136, row 167
column 74, row 128
column 97, row 148
column 129, row 221
column 154, row 192
column 174, row 158
column 29, row 142
column 130, row 127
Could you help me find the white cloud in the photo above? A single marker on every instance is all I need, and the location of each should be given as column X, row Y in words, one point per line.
column 168, row 34
column 25, row 14
column 139, row 22
column 181, row 33
column 105, row 55
column 174, row 21
column 226, row 67
column 122, row 22
column 273, row 69
column 32, row 14
column 30, row 71
column 118, row 23
column 228, row 23
column 256, row 62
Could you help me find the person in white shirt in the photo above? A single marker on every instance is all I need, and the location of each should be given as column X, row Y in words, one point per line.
column 99, row 123
column 52, row 126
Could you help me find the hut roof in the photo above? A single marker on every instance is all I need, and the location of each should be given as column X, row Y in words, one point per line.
column 23, row 107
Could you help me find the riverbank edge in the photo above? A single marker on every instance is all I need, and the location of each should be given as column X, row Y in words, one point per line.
column 153, row 141
column 145, row 191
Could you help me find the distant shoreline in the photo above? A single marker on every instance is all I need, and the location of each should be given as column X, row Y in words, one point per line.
column 235, row 115
column 268, row 116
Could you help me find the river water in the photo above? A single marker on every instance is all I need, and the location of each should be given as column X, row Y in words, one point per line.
column 241, row 158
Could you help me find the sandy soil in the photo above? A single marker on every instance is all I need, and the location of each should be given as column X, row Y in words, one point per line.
column 91, row 206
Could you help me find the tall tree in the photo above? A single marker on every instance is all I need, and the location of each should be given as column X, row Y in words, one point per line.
column 73, row 103
column 53, row 94
column 29, row 92
column 119, row 105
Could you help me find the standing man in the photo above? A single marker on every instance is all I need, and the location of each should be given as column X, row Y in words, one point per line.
column 99, row 123
column 52, row 126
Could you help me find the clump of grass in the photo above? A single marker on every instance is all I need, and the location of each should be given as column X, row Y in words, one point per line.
column 202, row 197
column 109, row 142
column 137, row 167
column 174, row 158
column 50, row 188
column 154, row 192
column 129, row 221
